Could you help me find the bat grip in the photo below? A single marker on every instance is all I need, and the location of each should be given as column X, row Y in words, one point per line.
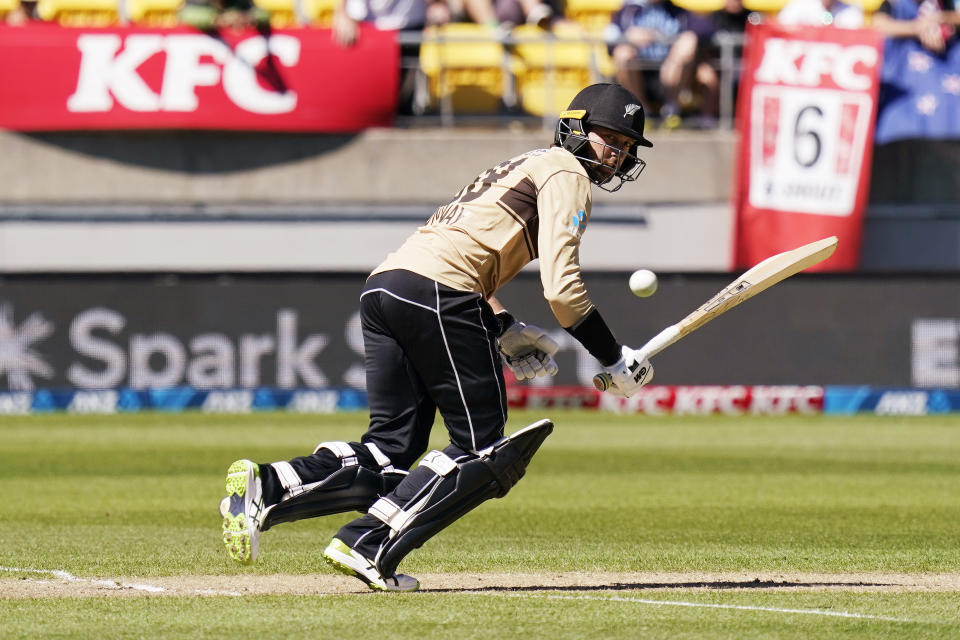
column 656, row 344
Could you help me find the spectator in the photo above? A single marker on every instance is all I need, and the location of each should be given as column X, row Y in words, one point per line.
column 208, row 15
column 401, row 15
column 514, row 12
column 477, row 11
column 639, row 36
column 821, row 13
column 931, row 22
column 23, row 13
column 688, row 75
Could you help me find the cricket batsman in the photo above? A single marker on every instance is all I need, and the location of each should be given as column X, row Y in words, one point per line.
column 434, row 335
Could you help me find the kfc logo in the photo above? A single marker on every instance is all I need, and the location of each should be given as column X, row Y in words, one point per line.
column 110, row 72
column 815, row 64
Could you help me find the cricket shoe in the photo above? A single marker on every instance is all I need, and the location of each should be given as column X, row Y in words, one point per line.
column 346, row 560
column 242, row 511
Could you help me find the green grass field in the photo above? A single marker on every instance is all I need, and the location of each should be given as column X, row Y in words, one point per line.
column 668, row 520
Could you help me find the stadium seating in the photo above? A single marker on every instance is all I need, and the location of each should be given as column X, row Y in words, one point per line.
column 160, row 13
column 594, row 15
column 869, row 6
column 768, row 7
column 6, row 6
column 80, row 13
column 550, row 67
column 464, row 62
column 319, row 13
column 283, row 13
column 700, row 6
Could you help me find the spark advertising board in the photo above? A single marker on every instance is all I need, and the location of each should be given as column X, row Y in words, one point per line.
column 806, row 113
column 301, row 331
column 53, row 78
column 245, row 342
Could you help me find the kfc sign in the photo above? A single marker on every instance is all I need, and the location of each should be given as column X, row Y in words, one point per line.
column 806, row 110
column 818, row 64
column 726, row 400
column 109, row 64
column 130, row 78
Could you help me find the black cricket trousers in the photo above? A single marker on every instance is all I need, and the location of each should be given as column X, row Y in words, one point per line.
column 428, row 347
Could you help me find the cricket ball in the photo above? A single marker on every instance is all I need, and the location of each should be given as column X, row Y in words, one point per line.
column 643, row 283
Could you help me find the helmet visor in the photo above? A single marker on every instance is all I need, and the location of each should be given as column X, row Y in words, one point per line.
column 626, row 165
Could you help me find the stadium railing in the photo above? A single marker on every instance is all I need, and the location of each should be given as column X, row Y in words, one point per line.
column 464, row 75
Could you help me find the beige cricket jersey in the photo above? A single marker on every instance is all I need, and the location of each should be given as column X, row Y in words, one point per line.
column 536, row 205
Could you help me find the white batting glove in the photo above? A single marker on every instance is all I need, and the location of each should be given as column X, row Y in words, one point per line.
column 528, row 351
column 629, row 373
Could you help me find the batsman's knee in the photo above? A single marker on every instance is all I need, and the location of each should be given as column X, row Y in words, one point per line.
column 446, row 485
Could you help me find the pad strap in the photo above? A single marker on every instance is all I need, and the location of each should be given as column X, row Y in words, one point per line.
column 438, row 462
column 392, row 515
column 291, row 480
column 379, row 456
column 287, row 475
column 348, row 457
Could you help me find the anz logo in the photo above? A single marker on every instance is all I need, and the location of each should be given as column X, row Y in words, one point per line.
column 578, row 223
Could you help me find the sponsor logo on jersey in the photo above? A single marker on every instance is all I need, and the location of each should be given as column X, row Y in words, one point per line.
column 578, row 223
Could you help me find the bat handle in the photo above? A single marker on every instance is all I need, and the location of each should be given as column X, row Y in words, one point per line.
column 602, row 381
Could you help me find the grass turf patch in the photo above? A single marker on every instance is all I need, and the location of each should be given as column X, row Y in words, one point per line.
column 138, row 495
column 596, row 615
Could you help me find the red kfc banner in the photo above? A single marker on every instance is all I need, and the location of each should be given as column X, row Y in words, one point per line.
column 805, row 115
column 675, row 400
column 726, row 400
column 54, row 78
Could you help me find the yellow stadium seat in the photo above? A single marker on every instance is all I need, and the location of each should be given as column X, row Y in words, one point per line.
column 79, row 13
column 319, row 12
column 869, row 6
column 550, row 67
column 700, row 6
column 463, row 62
column 594, row 15
column 769, row 7
column 159, row 13
column 7, row 6
column 283, row 13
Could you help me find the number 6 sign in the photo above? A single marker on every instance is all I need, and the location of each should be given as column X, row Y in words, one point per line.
column 805, row 118
column 808, row 148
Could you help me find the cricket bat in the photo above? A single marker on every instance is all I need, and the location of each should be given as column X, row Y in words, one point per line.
column 758, row 278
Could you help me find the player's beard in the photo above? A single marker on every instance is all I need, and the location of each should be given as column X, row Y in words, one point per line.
column 602, row 173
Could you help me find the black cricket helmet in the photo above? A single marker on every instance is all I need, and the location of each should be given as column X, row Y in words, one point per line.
column 607, row 105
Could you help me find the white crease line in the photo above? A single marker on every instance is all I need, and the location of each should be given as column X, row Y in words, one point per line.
column 214, row 592
column 707, row 605
column 69, row 577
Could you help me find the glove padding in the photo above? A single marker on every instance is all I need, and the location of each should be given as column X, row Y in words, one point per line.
column 528, row 351
column 629, row 373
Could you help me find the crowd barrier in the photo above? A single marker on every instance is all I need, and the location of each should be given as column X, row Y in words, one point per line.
column 653, row 400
